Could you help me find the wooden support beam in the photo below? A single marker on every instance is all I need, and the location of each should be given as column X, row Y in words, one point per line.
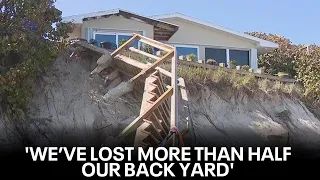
column 158, row 115
column 174, row 98
column 131, row 62
column 163, row 32
column 124, row 45
column 153, row 129
column 162, row 26
column 133, row 125
column 155, row 43
column 147, row 70
column 158, row 122
column 161, row 70
column 160, row 87
column 159, row 36
column 166, row 109
column 144, row 53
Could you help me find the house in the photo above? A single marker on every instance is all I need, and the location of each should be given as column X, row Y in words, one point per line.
column 187, row 34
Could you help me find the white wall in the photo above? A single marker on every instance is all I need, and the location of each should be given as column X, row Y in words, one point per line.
column 254, row 58
column 190, row 33
column 118, row 24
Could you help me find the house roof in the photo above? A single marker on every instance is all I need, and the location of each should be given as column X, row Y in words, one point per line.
column 262, row 43
column 162, row 30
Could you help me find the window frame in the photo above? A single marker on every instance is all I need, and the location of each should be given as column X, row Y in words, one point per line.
column 241, row 49
column 215, row 47
column 117, row 36
column 188, row 46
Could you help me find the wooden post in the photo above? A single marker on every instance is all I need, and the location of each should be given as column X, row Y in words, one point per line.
column 174, row 97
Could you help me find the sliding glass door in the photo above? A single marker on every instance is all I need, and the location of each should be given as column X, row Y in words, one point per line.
column 113, row 40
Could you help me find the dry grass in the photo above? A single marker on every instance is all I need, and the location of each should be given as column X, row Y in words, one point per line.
column 223, row 78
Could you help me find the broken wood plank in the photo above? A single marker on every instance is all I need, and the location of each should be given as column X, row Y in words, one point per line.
column 144, row 53
column 133, row 125
column 130, row 61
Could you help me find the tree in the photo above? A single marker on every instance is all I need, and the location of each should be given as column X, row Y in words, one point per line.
column 32, row 35
column 298, row 61
column 281, row 59
column 308, row 72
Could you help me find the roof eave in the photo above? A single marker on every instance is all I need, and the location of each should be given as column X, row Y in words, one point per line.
column 260, row 42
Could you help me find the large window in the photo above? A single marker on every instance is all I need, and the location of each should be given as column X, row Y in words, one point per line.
column 219, row 55
column 110, row 39
column 240, row 56
column 122, row 37
column 187, row 50
column 113, row 40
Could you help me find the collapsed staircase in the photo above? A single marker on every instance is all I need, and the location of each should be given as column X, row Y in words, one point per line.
column 159, row 108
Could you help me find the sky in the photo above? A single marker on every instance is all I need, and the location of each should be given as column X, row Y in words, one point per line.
column 297, row 20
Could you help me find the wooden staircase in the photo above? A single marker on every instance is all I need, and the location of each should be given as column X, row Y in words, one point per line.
column 156, row 126
column 159, row 108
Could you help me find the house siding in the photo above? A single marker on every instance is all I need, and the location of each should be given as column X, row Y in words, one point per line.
column 190, row 33
column 76, row 33
column 117, row 24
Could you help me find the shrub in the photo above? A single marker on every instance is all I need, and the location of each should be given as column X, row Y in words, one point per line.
column 27, row 30
column 211, row 62
column 308, row 72
column 122, row 41
column 147, row 48
column 233, row 64
column 281, row 59
column 245, row 67
column 192, row 57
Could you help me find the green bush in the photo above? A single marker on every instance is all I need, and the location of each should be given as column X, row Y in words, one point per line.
column 192, row 57
column 148, row 49
column 308, row 72
column 245, row 67
column 233, row 64
column 281, row 59
column 292, row 60
column 122, row 41
column 27, row 33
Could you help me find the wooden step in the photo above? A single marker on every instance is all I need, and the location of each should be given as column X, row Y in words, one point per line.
column 144, row 53
column 154, row 130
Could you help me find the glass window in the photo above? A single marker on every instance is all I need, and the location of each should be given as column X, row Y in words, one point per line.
column 219, row 55
column 109, row 40
column 241, row 57
column 127, row 37
column 184, row 51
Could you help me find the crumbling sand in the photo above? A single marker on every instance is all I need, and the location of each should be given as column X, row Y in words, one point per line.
column 68, row 106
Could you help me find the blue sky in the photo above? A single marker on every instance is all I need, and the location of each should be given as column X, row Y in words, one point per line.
column 296, row 20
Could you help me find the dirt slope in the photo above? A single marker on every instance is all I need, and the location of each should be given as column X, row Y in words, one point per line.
column 67, row 108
